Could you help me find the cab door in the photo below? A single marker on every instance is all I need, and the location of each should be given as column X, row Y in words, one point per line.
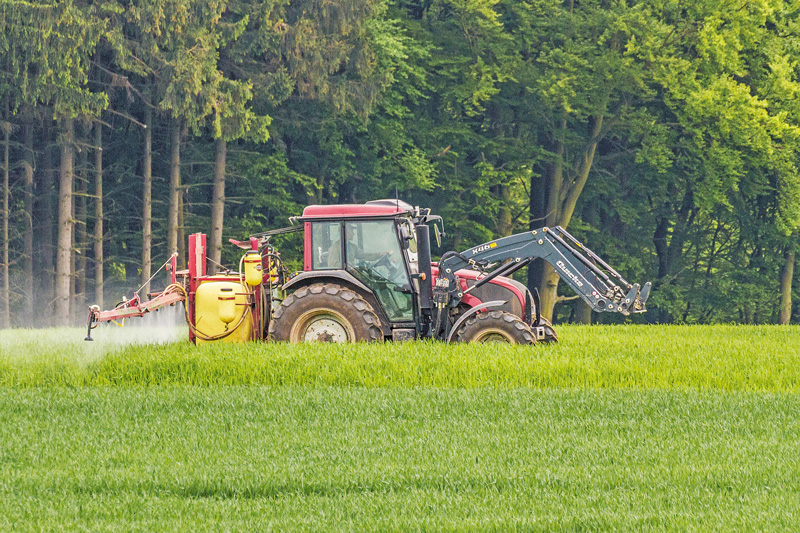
column 373, row 254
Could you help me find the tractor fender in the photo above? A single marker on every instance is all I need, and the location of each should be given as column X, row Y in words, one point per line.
column 345, row 279
column 472, row 311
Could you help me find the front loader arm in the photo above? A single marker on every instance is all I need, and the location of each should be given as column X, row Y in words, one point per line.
column 599, row 285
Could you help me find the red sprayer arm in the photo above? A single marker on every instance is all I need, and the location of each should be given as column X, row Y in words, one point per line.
column 134, row 307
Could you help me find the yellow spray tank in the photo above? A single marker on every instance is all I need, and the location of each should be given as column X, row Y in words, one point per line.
column 222, row 310
column 252, row 268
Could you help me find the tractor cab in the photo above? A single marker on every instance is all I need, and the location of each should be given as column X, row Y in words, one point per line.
column 375, row 243
column 381, row 251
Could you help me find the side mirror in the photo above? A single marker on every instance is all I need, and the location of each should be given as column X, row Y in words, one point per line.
column 438, row 233
column 405, row 232
column 406, row 235
column 438, row 229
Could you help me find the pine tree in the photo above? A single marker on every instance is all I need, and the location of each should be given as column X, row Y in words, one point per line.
column 98, row 214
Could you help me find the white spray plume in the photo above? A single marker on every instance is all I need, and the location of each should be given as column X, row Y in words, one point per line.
column 165, row 325
column 158, row 327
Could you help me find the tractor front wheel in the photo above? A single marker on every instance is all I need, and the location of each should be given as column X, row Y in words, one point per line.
column 496, row 326
column 325, row 313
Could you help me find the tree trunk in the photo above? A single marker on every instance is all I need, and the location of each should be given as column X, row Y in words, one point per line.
column 504, row 222
column 548, row 291
column 562, row 197
column 28, row 231
column 217, row 204
column 174, row 188
column 545, row 192
column 181, row 228
column 65, row 223
column 72, row 308
column 6, row 318
column 669, row 241
column 537, row 209
column 787, row 274
column 583, row 313
column 98, row 215
column 660, row 237
column 548, row 280
column 574, row 189
column 147, row 198
column 45, row 242
column 81, row 231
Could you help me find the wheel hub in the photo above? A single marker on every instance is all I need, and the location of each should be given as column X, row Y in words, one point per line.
column 325, row 329
column 493, row 335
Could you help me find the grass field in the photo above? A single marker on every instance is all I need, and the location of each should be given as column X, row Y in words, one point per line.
column 614, row 428
column 729, row 358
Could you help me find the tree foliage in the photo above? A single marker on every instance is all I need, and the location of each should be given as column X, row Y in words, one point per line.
column 664, row 133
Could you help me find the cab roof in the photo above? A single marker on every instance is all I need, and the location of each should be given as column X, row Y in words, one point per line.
column 377, row 208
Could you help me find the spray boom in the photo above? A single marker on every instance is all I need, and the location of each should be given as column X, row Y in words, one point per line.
column 134, row 307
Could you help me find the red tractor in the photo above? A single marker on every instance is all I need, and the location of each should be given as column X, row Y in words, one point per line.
column 368, row 276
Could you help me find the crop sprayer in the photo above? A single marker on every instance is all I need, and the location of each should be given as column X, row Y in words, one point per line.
column 368, row 276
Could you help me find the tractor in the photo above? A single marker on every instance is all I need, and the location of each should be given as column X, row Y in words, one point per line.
column 368, row 276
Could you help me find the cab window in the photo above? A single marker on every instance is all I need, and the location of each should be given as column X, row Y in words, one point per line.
column 326, row 245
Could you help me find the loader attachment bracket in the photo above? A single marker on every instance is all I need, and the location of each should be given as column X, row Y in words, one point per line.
column 630, row 299
column 638, row 304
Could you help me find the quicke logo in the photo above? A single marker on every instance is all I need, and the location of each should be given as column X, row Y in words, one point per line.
column 569, row 274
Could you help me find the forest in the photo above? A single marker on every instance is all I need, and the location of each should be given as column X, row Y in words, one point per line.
column 665, row 134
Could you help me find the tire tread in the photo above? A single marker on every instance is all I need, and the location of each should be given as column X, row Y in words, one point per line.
column 511, row 324
column 279, row 330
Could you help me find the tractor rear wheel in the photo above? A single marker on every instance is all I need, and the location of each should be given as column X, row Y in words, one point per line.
column 325, row 313
column 496, row 326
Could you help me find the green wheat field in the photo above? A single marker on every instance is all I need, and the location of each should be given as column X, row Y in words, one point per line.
column 616, row 427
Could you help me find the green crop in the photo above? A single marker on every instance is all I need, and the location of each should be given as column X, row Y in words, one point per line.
column 730, row 358
column 259, row 458
column 616, row 427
